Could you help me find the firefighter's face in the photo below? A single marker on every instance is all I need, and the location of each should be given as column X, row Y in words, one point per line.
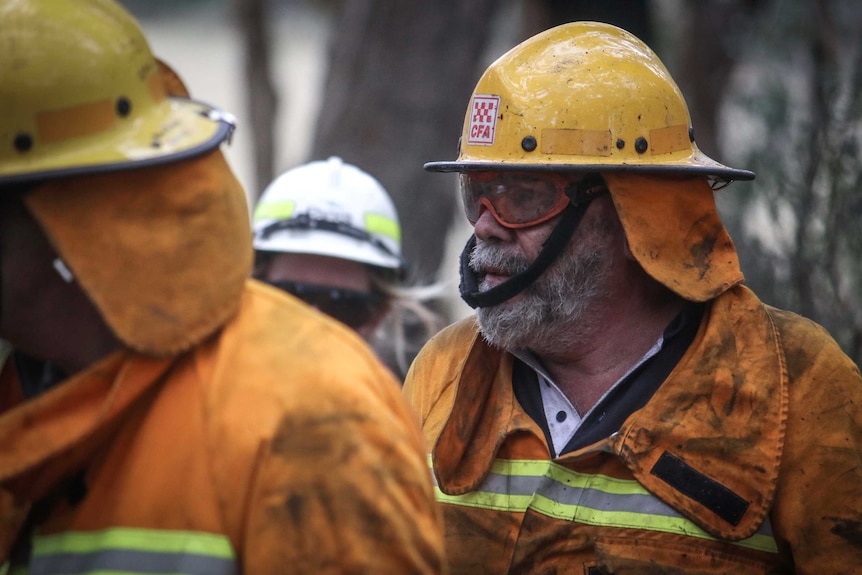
column 26, row 272
column 338, row 287
column 541, row 317
column 43, row 311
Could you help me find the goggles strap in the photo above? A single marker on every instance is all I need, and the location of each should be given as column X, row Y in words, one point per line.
column 551, row 250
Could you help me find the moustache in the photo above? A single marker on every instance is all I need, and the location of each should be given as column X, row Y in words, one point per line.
column 485, row 256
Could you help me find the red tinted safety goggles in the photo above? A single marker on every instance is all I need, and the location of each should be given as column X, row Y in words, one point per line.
column 515, row 199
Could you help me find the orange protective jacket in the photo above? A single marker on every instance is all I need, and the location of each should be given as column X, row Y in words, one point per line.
column 278, row 445
column 746, row 459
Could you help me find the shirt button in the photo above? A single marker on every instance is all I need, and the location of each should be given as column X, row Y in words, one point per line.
column 561, row 416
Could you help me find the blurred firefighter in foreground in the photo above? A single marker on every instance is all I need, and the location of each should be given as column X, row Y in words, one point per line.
column 162, row 413
column 621, row 402
column 328, row 233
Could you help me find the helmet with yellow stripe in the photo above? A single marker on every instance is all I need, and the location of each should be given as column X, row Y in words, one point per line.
column 83, row 93
column 583, row 96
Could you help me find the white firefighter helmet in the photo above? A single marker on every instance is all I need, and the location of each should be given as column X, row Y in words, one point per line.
column 329, row 208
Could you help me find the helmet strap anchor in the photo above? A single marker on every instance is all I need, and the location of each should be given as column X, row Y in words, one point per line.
column 62, row 269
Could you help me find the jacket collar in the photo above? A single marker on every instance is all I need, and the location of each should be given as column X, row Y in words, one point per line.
column 708, row 443
column 51, row 436
column 485, row 413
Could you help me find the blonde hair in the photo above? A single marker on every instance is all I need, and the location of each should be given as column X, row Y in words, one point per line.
column 410, row 321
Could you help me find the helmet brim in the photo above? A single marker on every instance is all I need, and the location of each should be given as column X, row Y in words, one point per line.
column 708, row 169
column 324, row 243
column 176, row 129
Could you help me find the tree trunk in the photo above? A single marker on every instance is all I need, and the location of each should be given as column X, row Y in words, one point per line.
column 261, row 99
column 400, row 77
column 707, row 62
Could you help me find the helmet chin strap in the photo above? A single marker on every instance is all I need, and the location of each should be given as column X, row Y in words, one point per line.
column 551, row 250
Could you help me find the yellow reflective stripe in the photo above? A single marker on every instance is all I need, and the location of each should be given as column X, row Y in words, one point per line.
column 275, row 210
column 604, row 483
column 530, row 468
column 556, row 491
column 383, row 226
column 130, row 551
column 161, row 541
column 485, row 500
column 626, row 519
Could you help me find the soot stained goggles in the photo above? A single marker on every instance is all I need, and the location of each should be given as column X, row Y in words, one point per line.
column 520, row 200
column 352, row 308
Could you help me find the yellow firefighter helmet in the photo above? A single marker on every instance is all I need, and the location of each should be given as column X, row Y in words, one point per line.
column 583, row 96
column 82, row 93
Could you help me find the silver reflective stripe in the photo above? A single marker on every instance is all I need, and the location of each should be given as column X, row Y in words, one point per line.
column 132, row 551
column 553, row 490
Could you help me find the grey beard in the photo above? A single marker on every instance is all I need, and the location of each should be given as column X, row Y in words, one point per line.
column 542, row 317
